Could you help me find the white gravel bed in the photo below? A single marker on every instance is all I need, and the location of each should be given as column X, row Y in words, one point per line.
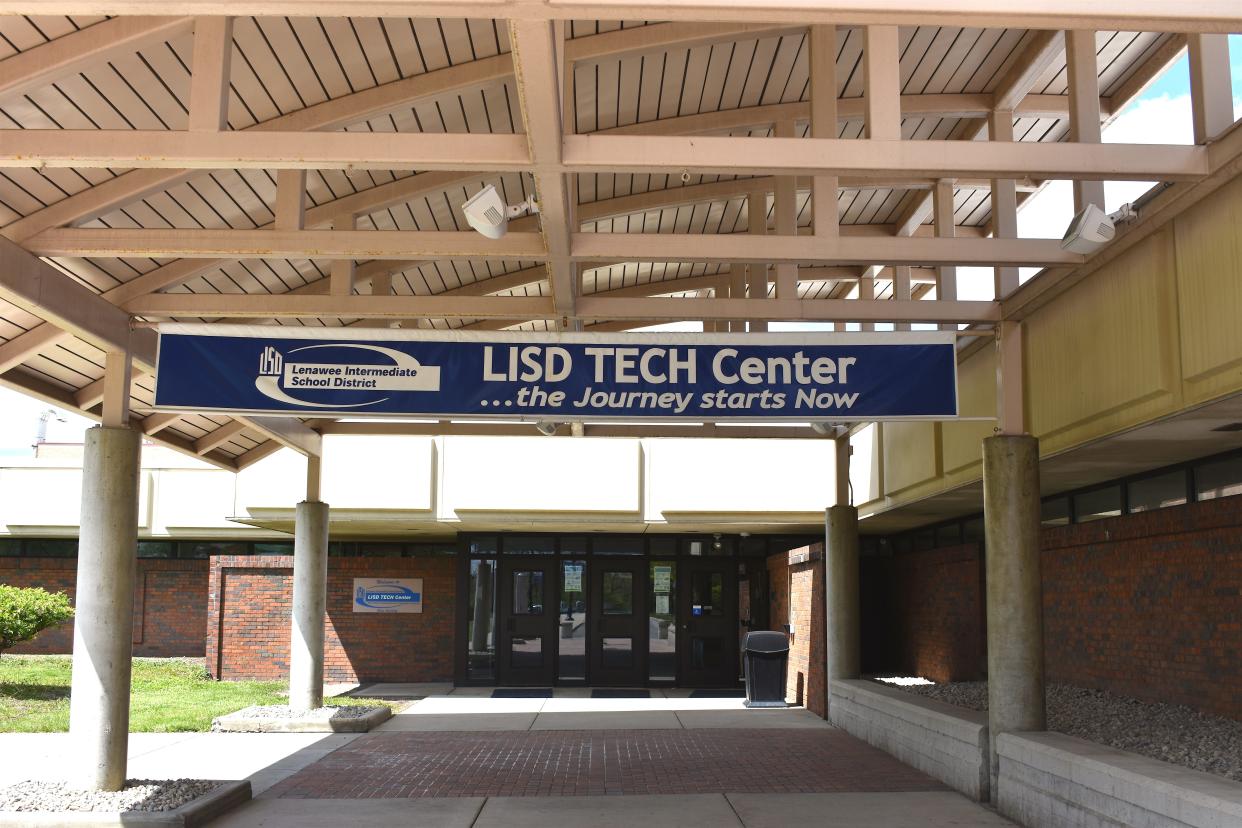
column 137, row 795
column 284, row 711
column 1168, row 732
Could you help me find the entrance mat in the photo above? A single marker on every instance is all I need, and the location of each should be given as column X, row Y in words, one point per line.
column 620, row 693
column 522, row 693
column 720, row 693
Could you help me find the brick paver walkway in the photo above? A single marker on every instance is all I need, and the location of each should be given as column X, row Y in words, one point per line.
column 579, row 763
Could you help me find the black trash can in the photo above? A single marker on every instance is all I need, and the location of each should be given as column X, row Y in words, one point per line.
column 765, row 659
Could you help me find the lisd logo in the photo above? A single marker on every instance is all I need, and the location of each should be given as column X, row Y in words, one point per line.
column 283, row 380
column 385, row 595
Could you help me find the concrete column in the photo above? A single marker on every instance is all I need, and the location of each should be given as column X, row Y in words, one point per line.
column 104, row 622
column 310, row 597
column 1014, row 603
column 841, row 597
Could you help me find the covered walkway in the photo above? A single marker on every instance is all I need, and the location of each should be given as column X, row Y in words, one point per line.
column 464, row 758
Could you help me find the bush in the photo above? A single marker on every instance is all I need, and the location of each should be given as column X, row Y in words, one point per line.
column 24, row 613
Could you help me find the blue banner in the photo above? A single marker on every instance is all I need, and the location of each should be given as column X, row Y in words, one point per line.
column 562, row 377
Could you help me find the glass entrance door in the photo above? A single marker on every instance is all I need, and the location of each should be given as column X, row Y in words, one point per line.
column 528, row 613
column 618, row 648
column 707, row 609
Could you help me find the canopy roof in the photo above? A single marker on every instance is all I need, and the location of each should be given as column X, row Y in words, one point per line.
column 243, row 169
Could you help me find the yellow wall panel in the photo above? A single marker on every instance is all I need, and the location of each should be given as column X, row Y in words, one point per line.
column 910, row 454
column 976, row 390
column 1209, row 283
column 1104, row 355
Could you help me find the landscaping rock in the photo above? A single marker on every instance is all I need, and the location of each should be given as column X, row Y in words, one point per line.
column 138, row 795
column 1168, row 732
column 280, row 718
column 284, row 711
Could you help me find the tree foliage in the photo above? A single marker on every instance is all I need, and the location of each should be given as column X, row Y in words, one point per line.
column 25, row 612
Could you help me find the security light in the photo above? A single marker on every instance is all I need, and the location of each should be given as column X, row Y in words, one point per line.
column 487, row 212
column 1092, row 228
column 825, row 429
column 547, row 428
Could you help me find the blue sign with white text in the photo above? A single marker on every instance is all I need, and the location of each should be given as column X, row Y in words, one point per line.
column 563, row 377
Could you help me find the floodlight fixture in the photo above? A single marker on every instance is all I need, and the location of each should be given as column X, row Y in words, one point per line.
column 487, row 212
column 547, row 427
column 1092, row 228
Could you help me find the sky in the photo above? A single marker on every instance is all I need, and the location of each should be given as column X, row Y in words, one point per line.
column 1160, row 115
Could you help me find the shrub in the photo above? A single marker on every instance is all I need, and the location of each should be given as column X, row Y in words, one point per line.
column 24, row 613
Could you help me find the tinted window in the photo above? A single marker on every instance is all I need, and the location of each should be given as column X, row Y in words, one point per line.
column 1158, row 492
column 1222, row 478
column 1098, row 504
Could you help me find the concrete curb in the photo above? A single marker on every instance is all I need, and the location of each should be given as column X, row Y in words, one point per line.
column 236, row 723
column 190, row 815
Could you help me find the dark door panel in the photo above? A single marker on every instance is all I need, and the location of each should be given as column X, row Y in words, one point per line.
column 527, row 653
column 618, row 649
column 708, row 620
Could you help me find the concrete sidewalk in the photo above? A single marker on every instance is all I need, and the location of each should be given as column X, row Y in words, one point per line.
column 570, row 710
column 838, row 810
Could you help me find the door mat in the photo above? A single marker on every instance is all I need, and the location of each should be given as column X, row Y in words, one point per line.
column 620, row 693
column 722, row 693
column 522, row 693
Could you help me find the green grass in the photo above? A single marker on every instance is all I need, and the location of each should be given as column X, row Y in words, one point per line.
column 168, row 695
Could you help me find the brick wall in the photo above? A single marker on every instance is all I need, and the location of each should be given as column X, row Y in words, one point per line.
column 797, row 584
column 1149, row 605
column 1146, row 605
column 170, row 603
column 248, row 611
column 937, row 629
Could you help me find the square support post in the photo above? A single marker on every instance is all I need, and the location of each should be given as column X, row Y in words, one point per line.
column 107, row 570
column 825, row 213
column 1084, row 100
column 1211, row 88
column 757, row 225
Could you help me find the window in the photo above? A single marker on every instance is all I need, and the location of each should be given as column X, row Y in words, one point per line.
column 273, row 549
column 972, row 530
column 480, row 621
column 571, row 643
column 617, row 545
column 527, row 592
column 51, row 548
column 663, row 546
column 1098, row 504
column 1222, row 478
column 662, row 621
column 1157, row 492
column 1054, row 512
column 429, row 550
column 156, row 549
column 194, row 549
column 618, row 589
column 529, row 544
column 373, row 550
column 575, row 545
column 10, row 547
column 486, row 545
